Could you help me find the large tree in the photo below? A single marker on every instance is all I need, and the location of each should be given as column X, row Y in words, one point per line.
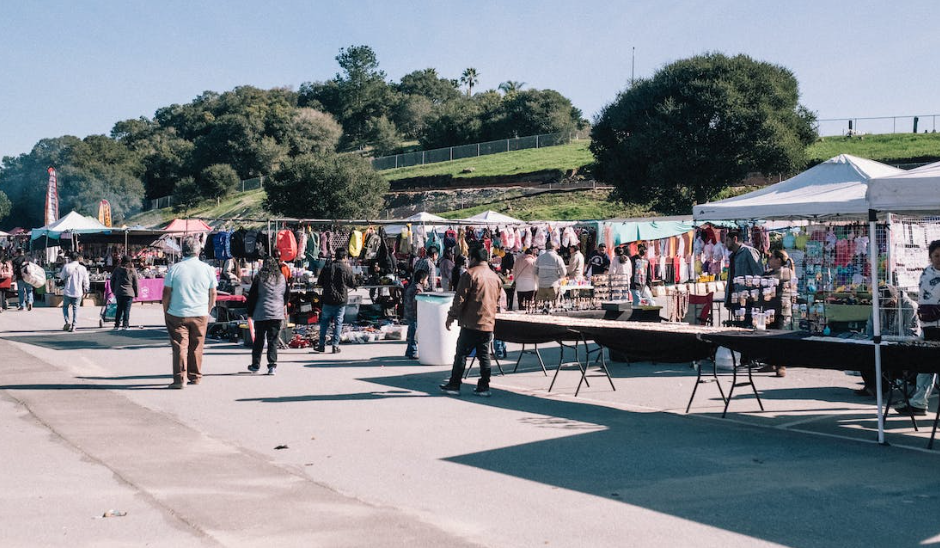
column 427, row 83
column 698, row 126
column 356, row 96
column 328, row 186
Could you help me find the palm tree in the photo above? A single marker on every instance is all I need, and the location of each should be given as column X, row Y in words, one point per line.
column 511, row 86
column 470, row 77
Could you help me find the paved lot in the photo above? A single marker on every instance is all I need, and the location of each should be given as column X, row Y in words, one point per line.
column 376, row 457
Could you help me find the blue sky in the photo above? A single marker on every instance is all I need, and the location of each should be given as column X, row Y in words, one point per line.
column 76, row 67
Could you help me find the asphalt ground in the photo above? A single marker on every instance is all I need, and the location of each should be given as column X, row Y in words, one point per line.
column 373, row 455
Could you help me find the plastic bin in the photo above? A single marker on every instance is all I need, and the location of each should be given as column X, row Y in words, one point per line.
column 436, row 345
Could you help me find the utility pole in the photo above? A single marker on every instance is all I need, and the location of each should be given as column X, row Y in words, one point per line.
column 632, row 65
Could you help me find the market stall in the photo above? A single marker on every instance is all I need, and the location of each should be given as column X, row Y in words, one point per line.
column 837, row 253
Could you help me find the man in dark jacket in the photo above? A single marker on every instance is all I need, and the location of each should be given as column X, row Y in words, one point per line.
column 125, row 286
column 336, row 280
column 474, row 310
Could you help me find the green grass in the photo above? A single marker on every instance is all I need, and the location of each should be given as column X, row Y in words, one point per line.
column 561, row 206
column 894, row 147
column 562, row 157
column 244, row 204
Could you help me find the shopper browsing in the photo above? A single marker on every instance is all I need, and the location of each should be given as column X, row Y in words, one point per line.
column 410, row 316
column 336, row 279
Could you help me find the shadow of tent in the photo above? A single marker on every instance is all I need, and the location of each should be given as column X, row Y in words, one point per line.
column 770, row 484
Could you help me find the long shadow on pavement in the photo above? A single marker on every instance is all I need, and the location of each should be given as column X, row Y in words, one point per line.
column 771, row 484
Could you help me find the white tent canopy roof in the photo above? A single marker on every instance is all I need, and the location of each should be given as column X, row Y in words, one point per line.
column 423, row 217
column 917, row 190
column 490, row 216
column 836, row 187
column 73, row 222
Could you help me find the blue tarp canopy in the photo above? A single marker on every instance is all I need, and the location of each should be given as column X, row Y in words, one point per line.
column 634, row 230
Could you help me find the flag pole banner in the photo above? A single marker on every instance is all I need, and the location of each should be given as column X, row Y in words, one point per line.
column 104, row 213
column 52, row 198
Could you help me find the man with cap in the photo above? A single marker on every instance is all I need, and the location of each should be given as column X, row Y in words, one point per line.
column 188, row 296
column 599, row 262
column 474, row 309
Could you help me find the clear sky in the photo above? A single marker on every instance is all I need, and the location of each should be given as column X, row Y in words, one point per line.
column 77, row 66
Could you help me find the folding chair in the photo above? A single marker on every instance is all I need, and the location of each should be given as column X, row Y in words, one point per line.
column 703, row 316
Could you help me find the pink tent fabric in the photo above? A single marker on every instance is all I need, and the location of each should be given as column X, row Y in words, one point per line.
column 187, row 225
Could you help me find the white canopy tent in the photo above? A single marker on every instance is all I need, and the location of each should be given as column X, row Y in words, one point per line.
column 423, row 217
column 834, row 188
column 492, row 217
column 917, row 190
column 73, row 222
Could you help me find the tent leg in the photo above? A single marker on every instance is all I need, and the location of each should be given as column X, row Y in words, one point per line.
column 876, row 318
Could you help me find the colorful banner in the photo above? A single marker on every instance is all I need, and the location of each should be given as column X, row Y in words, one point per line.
column 104, row 213
column 52, row 198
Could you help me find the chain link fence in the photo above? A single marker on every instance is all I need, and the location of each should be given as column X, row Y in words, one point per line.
column 167, row 201
column 920, row 123
column 422, row 157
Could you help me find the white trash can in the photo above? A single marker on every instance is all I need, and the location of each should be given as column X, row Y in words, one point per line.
column 436, row 345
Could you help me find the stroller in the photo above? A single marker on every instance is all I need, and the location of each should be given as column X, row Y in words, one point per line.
column 108, row 311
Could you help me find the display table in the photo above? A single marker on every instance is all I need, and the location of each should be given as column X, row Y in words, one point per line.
column 798, row 349
column 151, row 290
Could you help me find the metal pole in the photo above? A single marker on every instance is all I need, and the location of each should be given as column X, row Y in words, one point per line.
column 876, row 317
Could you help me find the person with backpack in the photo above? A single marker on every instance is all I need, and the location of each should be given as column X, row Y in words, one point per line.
column 23, row 289
column 75, row 276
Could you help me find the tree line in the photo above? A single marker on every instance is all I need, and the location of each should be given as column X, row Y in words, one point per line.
column 313, row 137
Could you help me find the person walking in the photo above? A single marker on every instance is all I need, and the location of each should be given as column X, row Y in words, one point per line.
column 267, row 306
column 24, row 290
column 474, row 309
column 75, row 276
column 410, row 316
column 336, row 279
column 550, row 269
column 125, row 284
column 189, row 292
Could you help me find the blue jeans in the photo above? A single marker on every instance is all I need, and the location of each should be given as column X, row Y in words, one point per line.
column 25, row 292
column 331, row 314
column 70, row 302
column 411, row 350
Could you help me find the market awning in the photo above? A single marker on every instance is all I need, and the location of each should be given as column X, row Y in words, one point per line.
column 493, row 217
column 187, row 226
column 834, row 188
column 917, row 190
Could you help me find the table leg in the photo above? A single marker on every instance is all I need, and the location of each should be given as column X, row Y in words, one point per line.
column 936, row 421
column 734, row 382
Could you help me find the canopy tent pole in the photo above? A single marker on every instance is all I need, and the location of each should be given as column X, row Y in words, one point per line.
column 876, row 317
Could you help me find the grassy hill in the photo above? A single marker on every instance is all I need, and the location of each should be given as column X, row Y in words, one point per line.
column 901, row 148
column 894, row 148
column 561, row 158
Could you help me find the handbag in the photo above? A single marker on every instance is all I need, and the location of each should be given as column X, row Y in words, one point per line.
column 928, row 313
